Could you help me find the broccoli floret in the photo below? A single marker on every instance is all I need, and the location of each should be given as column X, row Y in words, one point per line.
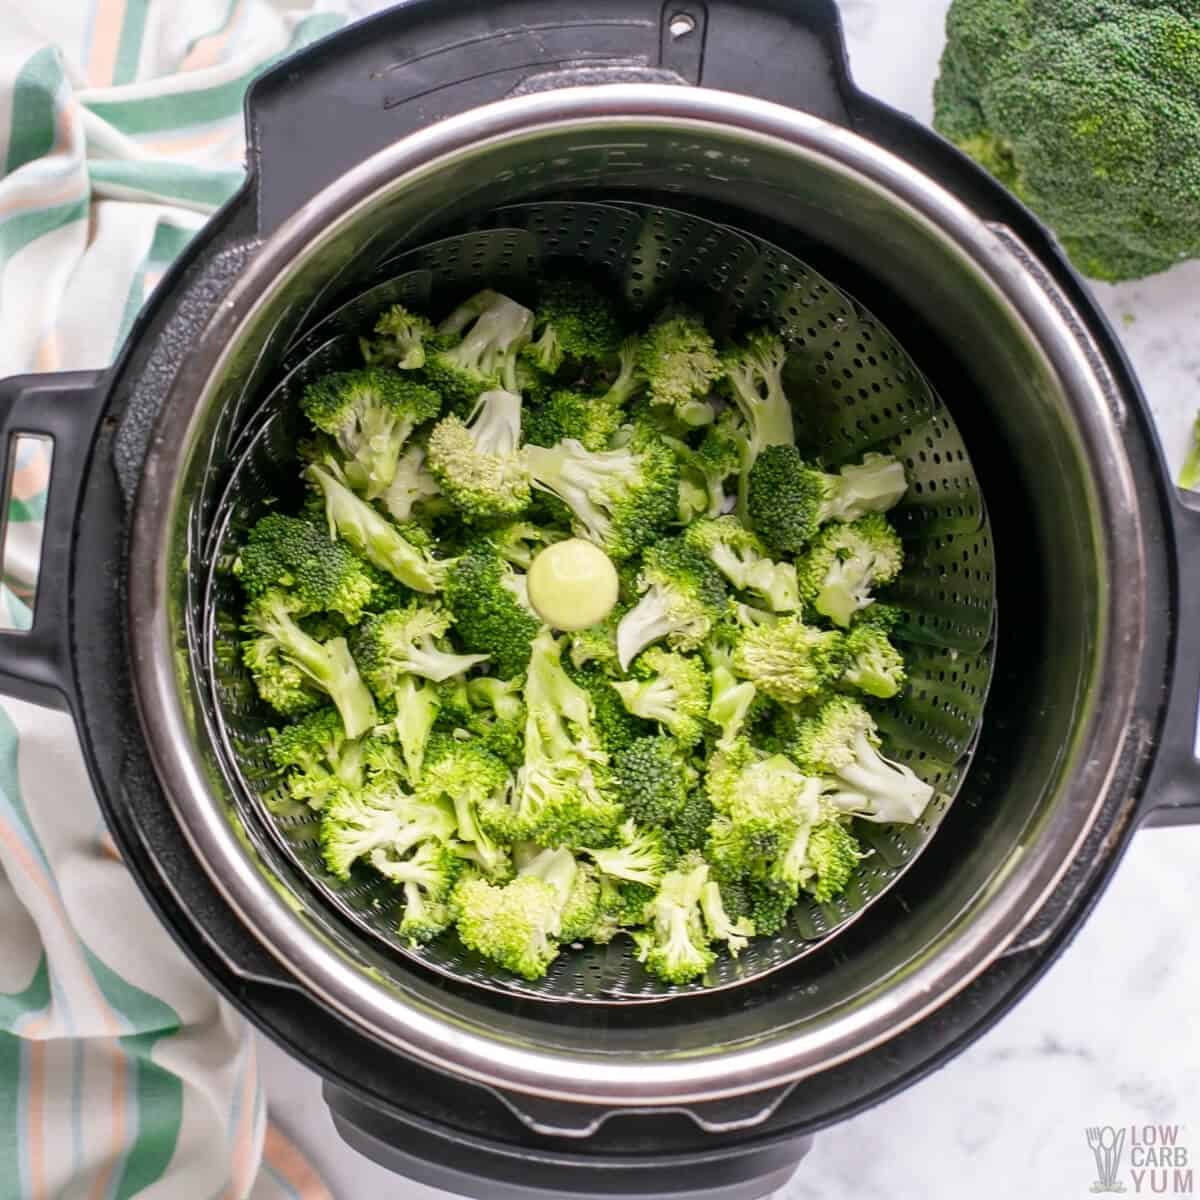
column 743, row 560
column 279, row 682
column 765, row 807
column 572, row 321
column 417, row 705
column 640, row 856
column 371, row 414
column 704, row 469
column 672, row 689
column 476, row 463
column 620, row 499
column 499, row 719
column 413, row 486
column 597, row 644
column 683, row 596
column 872, row 664
column 494, row 329
column 845, row 563
column 354, row 823
column 789, row 500
column 770, row 903
column 731, row 697
column 589, row 420
column 841, row 741
column 471, row 779
column 318, row 757
column 491, row 609
column 688, row 829
column 280, row 649
column 427, row 878
column 833, row 855
column 583, row 912
column 404, row 641
column 517, row 925
column 679, row 361
column 615, row 726
column 788, row 660
column 1088, row 111
column 298, row 557
column 651, row 779
column 373, row 535
column 502, row 696
column 753, row 373
column 402, row 340
column 558, row 797
column 675, row 945
column 721, row 928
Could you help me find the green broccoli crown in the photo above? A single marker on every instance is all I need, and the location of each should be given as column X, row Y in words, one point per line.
column 402, row 340
column 672, row 689
column 679, row 360
column 404, row 641
column 279, row 642
column 651, row 777
column 684, row 595
column 620, row 499
column 770, row 902
column 484, row 594
column 753, row 372
column 582, row 912
column 515, row 925
column 873, row 665
column 477, row 464
column 742, row 558
column 841, row 742
column 300, row 558
column 278, row 682
column 494, row 329
column 589, row 420
column 787, row 498
column 675, row 946
column 573, row 321
column 355, row 823
column 614, row 725
column 833, row 854
column 372, row 535
column 427, row 878
column 845, row 563
column 788, row 660
column 688, row 829
column 318, row 756
column 1088, row 111
column 370, row 413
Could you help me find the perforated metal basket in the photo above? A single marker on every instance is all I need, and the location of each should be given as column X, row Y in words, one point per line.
column 853, row 388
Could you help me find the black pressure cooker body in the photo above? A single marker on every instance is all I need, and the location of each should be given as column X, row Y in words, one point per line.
column 310, row 121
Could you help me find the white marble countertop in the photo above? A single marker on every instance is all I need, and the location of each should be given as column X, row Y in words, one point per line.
column 1111, row 1035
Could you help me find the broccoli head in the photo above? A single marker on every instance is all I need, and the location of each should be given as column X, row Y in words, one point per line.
column 833, row 854
column 675, row 946
column 299, row 557
column 404, row 641
column 371, row 414
column 651, row 778
column 620, row 499
column 872, row 664
column 753, row 373
column 742, row 559
column 679, row 361
column 402, row 340
column 672, row 689
column 427, row 877
column 1090, row 112
column 572, row 321
column 281, row 657
column 493, row 329
column 317, row 756
column 491, row 609
column 841, row 742
column 788, row 660
column 683, row 596
column 640, row 855
column 846, row 562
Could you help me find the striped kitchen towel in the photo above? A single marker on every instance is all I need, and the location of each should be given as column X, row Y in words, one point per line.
column 122, row 1073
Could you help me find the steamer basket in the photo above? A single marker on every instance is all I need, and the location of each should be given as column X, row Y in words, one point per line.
column 853, row 389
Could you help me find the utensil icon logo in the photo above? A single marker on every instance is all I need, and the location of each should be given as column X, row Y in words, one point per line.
column 1106, row 1145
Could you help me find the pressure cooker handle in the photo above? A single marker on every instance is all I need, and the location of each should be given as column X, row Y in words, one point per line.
column 1173, row 792
column 35, row 663
column 362, row 89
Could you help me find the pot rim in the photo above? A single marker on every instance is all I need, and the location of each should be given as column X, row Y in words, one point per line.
column 970, row 943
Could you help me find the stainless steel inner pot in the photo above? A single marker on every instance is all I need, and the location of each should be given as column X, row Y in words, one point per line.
column 1045, row 399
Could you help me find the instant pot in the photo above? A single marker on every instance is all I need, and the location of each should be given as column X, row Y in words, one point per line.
column 418, row 123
